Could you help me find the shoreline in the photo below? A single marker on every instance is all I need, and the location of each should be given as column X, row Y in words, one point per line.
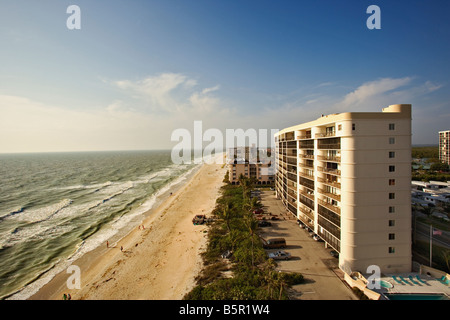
column 168, row 236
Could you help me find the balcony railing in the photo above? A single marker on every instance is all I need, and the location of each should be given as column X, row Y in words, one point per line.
column 329, row 158
column 306, row 211
column 329, row 182
column 306, row 194
column 307, row 156
column 306, row 165
column 333, row 208
column 306, row 144
column 329, row 146
column 334, row 196
column 325, row 134
column 329, row 170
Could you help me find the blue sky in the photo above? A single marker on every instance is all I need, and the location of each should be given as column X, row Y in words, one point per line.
column 137, row 70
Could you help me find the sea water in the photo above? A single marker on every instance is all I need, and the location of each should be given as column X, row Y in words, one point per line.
column 55, row 207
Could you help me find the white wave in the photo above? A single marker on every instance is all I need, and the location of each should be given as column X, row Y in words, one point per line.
column 100, row 237
column 41, row 214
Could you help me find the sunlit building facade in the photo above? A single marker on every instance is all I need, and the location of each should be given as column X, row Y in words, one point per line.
column 347, row 177
column 444, row 146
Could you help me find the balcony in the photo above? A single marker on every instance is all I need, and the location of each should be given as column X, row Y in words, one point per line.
column 329, row 171
column 307, row 156
column 309, row 195
column 331, row 158
column 329, row 206
column 307, row 144
column 325, row 134
column 292, row 177
column 304, row 136
column 331, row 195
column 330, row 146
column 329, row 182
column 307, row 212
column 332, row 143
column 307, row 183
column 307, row 164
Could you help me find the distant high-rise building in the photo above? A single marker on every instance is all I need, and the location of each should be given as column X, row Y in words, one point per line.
column 251, row 162
column 444, row 146
column 347, row 177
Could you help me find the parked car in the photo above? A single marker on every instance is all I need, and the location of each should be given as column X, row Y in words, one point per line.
column 264, row 223
column 334, row 253
column 227, row 254
column 316, row 237
column 199, row 219
column 274, row 243
column 280, row 255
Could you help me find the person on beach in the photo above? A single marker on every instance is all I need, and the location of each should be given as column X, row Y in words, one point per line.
column 107, row 244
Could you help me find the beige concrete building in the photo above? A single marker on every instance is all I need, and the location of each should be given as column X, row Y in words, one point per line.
column 444, row 146
column 347, row 177
column 251, row 163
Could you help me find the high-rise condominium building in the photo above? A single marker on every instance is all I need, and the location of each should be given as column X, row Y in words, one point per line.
column 347, row 177
column 444, row 146
column 251, row 162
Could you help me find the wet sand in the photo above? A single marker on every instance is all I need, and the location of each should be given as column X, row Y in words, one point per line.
column 157, row 262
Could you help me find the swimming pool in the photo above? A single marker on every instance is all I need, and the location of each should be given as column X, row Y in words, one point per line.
column 415, row 296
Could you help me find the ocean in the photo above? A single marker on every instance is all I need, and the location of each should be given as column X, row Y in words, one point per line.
column 55, row 207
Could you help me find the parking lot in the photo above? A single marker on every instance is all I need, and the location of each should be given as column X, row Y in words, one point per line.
column 309, row 257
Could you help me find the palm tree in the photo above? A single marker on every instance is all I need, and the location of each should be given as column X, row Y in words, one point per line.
column 446, row 256
column 427, row 210
column 228, row 214
column 252, row 225
column 270, row 276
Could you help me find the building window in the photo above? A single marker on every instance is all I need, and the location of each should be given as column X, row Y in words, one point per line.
column 391, row 195
column 391, row 154
column 339, row 127
column 353, row 126
column 391, row 168
column 391, row 249
column 391, row 236
column 391, row 223
column 391, row 140
column 392, row 182
column 391, row 126
column 391, row 209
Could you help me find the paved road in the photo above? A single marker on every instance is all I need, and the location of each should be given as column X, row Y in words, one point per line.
column 442, row 239
column 309, row 257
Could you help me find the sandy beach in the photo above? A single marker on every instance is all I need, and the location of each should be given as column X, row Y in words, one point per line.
column 157, row 262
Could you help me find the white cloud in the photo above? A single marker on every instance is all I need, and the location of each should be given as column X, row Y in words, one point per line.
column 372, row 92
column 172, row 93
column 207, row 90
column 176, row 101
column 126, row 123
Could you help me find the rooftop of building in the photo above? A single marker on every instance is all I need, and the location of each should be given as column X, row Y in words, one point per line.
column 400, row 111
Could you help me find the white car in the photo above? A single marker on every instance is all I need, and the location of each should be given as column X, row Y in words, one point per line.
column 280, row 255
